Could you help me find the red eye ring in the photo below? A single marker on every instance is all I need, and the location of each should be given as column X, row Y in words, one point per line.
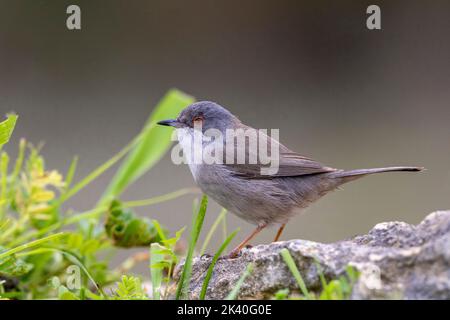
column 197, row 119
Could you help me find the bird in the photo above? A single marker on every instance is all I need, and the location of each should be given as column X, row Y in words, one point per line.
column 262, row 199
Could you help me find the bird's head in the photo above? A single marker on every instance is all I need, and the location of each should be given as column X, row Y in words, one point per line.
column 204, row 114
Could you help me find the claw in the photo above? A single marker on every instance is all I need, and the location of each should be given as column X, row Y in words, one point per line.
column 234, row 254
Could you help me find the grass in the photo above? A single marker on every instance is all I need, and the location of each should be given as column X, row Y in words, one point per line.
column 32, row 214
column 234, row 293
column 213, row 263
column 293, row 268
column 337, row 289
column 40, row 239
column 155, row 142
column 212, row 230
column 29, row 245
column 197, row 223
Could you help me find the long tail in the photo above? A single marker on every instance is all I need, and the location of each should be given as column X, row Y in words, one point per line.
column 355, row 174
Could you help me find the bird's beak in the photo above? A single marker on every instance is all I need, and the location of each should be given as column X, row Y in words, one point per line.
column 170, row 123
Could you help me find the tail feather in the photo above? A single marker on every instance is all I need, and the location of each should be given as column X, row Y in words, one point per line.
column 355, row 174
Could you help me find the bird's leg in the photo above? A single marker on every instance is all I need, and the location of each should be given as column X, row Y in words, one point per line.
column 234, row 253
column 280, row 231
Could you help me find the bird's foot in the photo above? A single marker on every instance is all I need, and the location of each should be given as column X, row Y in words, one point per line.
column 232, row 255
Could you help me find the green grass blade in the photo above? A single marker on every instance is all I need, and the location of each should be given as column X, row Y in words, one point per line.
column 159, row 199
column 156, row 141
column 19, row 160
column 98, row 171
column 197, row 224
column 294, row 270
column 7, row 127
column 29, row 245
column 160, row 230
column 213, row 263
column 4, row 161
column 73, row 258
column 211, row 231
column 91, row 214
column 71, row 173
column 323, row 281
column 4, row 224
column 234, row 293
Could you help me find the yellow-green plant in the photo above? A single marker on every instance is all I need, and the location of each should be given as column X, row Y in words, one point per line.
column 40, row 240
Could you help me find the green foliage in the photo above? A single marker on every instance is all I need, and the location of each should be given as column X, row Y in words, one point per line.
column 158, row 263
column 129, row 288
column 197, row 223
column 234, row 293
column 48, row 251
column 126, row 230
column 220, row 218
column 14, row 267
column 336, row 289
column 163, row 258
column 213, row 263
column 40, row 240
column 66, row 294
column 293, row 268
column 7, row 127
column 341, row 288
column 154, row 144
column 281, row 294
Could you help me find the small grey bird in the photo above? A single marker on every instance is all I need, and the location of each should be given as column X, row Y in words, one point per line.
column 261, row 199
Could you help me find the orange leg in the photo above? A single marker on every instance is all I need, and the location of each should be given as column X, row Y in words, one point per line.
column 280, row 231
column 235, row 252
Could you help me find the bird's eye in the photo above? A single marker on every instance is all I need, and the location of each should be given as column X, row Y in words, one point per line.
column 197, row 120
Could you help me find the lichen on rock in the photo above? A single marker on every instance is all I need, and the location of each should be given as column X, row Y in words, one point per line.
column 396, row 260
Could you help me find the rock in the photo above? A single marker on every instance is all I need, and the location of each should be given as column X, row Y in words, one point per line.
column 395, row 260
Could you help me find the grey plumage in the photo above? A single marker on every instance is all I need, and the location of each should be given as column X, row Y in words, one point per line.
column 260, row 199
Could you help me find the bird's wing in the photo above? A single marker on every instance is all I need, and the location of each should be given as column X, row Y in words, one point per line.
column 290, row 163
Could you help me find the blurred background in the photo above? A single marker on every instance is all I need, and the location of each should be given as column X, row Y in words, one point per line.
column 340, row 93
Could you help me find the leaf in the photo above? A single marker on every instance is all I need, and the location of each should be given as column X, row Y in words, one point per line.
column 71, row 173
column 74, row 259
column 65, row 294
column 171, row 242
column 211, row 231
column 341, row 288
column 155, row 142
column 14, row 267
column 197, row 224
column 7, row 127
column 29, row 245
column 160, row 265
column 234, row 293
column 127, row 230
column 90, row 246
column 160, row 230
column 97, row 172
column 156, row 273
column 213, row 263
column 293, row 268
column 282, row 294
column 159, row 199
column 130, row 288
column 163, row 250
